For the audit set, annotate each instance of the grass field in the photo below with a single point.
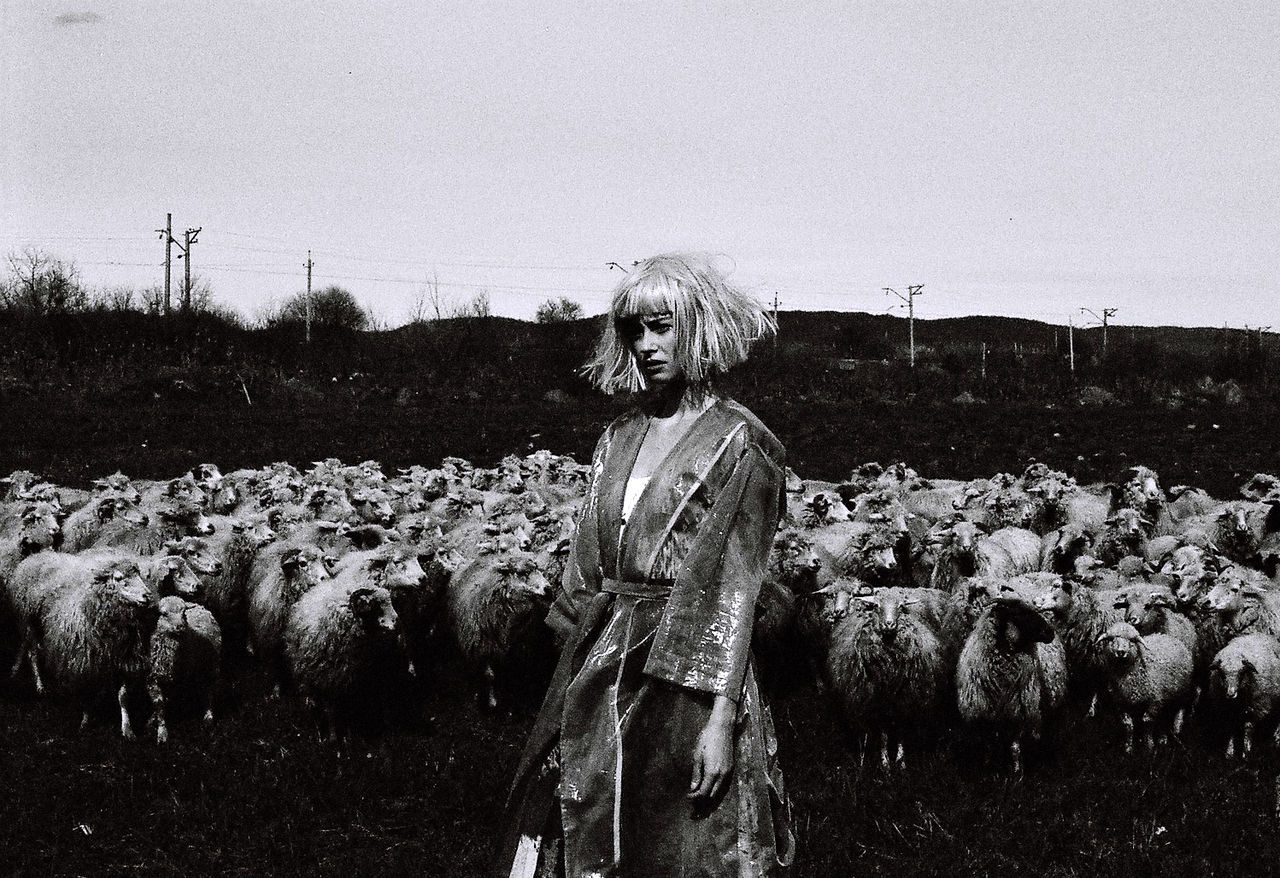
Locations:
(258, 794)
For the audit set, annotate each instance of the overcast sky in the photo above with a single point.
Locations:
(1027, 159)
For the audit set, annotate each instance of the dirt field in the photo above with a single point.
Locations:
(257, 794)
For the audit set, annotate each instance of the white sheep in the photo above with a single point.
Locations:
(963, 549)
(1149, 680)
(1246, 675)
(1245, 601)
(91, 614)
(340, 643)
(185, 656)
(494, 607)
(1012, 673)
(110, 513)
(297, 571)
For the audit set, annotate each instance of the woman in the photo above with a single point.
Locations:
(653, 753)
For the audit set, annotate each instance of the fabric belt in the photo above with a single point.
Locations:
(653, 589)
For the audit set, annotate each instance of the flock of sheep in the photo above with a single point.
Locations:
(920, 605)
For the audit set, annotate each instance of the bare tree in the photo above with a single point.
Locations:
(43, 284)
(559, 310)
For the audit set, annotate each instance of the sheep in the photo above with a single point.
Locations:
(90, 615)
(1150, 609)
(1149, 678)
(185, 655)
(340, 641)
(1060, 547)
(38, 528)
(110, 513)
(1011, 674)
(1079, 615)
(494, 607)
(888, 669)
(400, 570)
(965, 550)
(1246, 674)
(1261, 486)
(1245, 602)
(1125, 534)
(298, 570)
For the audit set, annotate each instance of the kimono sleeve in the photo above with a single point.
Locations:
(581, 578)
(704, 639)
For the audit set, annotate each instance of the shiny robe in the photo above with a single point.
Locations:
(658, 617)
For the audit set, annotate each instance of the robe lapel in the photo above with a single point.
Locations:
(618, 464)
(679, 474)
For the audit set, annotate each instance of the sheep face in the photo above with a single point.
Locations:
(186, 517)
(1231, 673)
(123, 579)
(1141, 605)
(118, 483)
(173, 575)
(1120, 643)
(307, 564)
(117, 507)
(40, 528)
(258, 532)
(372, 606)
(1068, 545)
(1233, 591)
(196, 553)
(329, 504)
(374, 507)
(795, 561)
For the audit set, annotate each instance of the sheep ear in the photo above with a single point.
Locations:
(291, 559)
(362, 600)
(1161, 599)
(1248, 664)
(1272, 521)
(106, 508)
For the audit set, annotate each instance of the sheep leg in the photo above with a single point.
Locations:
(35, 669)
(126, 727)
(156, 694)
(490, 691)
(1231, 743)
(1093, 706)
(1015, 750)
(1127, 720)
(1246, 740)
(22, 653)
(884, 750)
(902, 756)
(1148, 731)
(1179, 717)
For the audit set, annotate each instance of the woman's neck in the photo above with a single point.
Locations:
(678, 398)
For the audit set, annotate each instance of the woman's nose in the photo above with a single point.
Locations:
(647, 341)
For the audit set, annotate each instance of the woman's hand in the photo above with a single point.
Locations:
(713, 754)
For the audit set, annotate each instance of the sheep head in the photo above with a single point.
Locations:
(197, 554)
(173, 575)
(1019, 626)
(1121, 643)
(117, 507)
(373, 607)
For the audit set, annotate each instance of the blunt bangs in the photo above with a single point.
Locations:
(715, 323)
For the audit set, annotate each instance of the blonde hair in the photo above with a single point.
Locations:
(715, 322)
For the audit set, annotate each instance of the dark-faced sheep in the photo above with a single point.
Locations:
(1010, 678)
(185, 657)
(341, 643)
(888, 669)
(494, 607)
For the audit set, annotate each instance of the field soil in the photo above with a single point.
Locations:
(420, 794)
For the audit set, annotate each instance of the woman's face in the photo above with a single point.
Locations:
(652, 340)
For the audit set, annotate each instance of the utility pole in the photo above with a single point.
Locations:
(309, 264)
(166, 235)
(1071, 344)
(910, 299)
(190, 237)
(1106, 313)
(775, 321)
